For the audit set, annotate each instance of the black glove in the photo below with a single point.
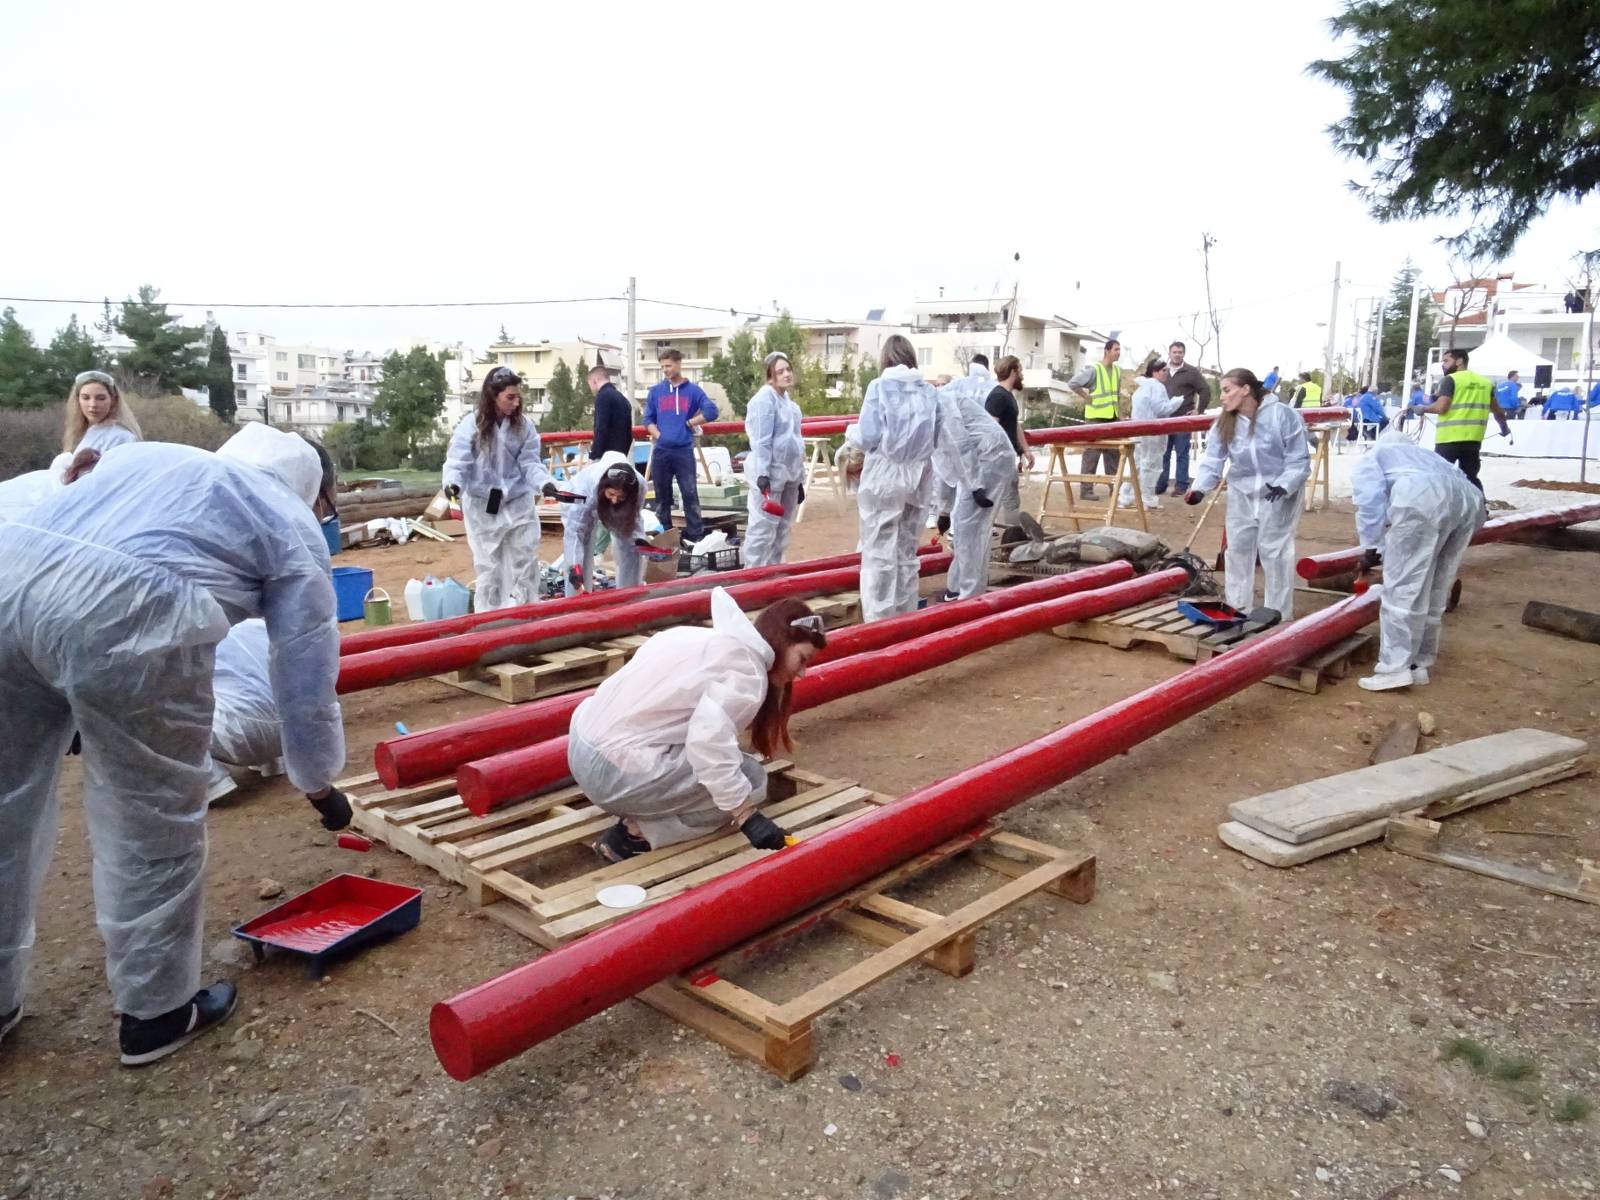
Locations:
(943, 524)
(551, 490)
(764, 483)
(1274, 492)
(334, 807)
(452, 491)
(762, 832)
(1370, 557)
(77, 744)
(1193, 497)
(981, 498)
(800, 497)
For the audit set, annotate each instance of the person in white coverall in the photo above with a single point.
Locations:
(246, 732)
(1417, 513)
(116, 592)
(777, 464)
(493, 467)
(613, 496)
(905, 427)
(1262, 442)
(991, 464)
(98, 418)
(1150, 403)
(658, 743)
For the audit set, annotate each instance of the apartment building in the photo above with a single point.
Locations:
(252, 373)
(536, 363)
(946, 333)
(1532, 316)
(699, 345)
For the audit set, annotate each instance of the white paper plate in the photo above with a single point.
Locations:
(621, 895)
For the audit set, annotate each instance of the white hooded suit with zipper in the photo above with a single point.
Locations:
(777, 450)
(658, 742)
(1269, 451)
(991, 463)
(117, 591)
(578, 519)
(906, 426)
(505, 544)
(1423, 513)
(1150, 403)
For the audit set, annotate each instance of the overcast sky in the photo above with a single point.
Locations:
(831, 157)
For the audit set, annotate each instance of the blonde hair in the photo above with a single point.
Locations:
(78, 424)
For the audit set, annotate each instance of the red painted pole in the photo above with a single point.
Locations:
(1342, 562)
(506, 778)
(1099, 431)
(431, 754)
(426, 631)
(503, 1017)
(420, 659)
(809, 427)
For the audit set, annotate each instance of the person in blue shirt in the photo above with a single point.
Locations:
(1270, 383)
(1418, 396)
(1562, 400)
(675, 408)
(1508, 395)
(1372, 413)
(1594, 395)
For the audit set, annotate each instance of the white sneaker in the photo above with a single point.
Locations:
(1385, 681)
(1419, 676)
(1152, 503)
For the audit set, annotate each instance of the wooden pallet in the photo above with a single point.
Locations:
(1309, 674)
(530, 865)
(551, 672)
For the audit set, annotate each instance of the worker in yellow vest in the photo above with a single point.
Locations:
(1463, 403)
(1099, 404)
(1308, 392)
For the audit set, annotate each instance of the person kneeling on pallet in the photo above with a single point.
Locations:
(1423, 513)
(116, 593)
(611, 493)
(658, 742)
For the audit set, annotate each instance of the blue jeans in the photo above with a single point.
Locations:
(669, 464)
(1177, 443)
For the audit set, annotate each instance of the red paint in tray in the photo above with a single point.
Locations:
(335, 918)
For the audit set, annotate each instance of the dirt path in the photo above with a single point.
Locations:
(1181, 1034)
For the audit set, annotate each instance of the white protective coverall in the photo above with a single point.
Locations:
(505, 545)
(905, 426)
(116, 592)
(659, 740)
(1271, 450)
(107, 435)
(578, 522)
(990, 462)
(245, 729)
(1150, 403)
(772, 423)
(1423, 513)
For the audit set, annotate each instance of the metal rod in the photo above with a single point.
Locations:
(1099, 431)
(499, 1019)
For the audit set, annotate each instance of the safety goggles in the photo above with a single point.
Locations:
(810, 621)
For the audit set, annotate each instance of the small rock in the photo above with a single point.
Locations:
(1362, 1098)
(850, 1083)
(1475, 1129)
(1450, 1173)
(229, 952)
(829, 1129)
(1419, 1019)
(264, 1114)
(489, 1149)
(1162, 981)
(1548, 867)
(246, 1051)
(1324, 1175)
(890, 1184)
(1426, 724)
(268, 888)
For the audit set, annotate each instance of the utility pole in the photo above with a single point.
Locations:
(1377, 341)
(1411, 346)
(1588, 355)
(1333, 322)
(632, 343)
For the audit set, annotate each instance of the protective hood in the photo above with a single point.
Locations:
(902, 373)
(728, 618)
(284, 456)
(977, 371)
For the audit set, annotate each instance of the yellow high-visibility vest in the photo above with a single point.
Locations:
(1469, 410)
(1102, 404)
(1313, 394)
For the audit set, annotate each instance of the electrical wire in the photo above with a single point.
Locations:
(386, 304)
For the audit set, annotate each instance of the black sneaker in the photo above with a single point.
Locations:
(145, 1041)
(10, 1021)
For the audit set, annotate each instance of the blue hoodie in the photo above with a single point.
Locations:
(669, 407)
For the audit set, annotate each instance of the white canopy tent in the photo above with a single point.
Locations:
(1499, 354)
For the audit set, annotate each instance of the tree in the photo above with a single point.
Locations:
(565, 411)
(70, 353)
(505, 338)
(1396, 320)
(1206, 243)
(165, 356)
(738, 370)
(411, 395)
(866, 371)
(22, 370)
(219, 378)
(582, 396)
(1457, 105)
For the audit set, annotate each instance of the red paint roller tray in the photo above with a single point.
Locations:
(334, 919)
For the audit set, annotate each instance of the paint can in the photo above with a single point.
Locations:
(376, 609)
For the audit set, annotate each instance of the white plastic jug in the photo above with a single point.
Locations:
(414, 599)
(454, 599)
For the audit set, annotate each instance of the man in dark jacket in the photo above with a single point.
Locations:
(613, 415)
(1183, 379)
(675, 408)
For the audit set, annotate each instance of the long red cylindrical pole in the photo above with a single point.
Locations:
(506, 778)
(1342, 562)
(503, 1017)
(1099, 431)
(433, 753)
(426, 631)
(420, 659)
(809, 427)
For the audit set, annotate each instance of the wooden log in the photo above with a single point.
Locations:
(1559, 619)
(1559, 538)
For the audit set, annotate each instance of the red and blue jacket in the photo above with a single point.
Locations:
(670, 406)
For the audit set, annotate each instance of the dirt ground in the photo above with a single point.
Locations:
(1206, 1027)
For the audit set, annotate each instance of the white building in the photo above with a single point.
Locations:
(698, 345)
(536, 363)
(252, 372)
(946, 333)
(1533, 317)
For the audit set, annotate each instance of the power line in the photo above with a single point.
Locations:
(214, 304)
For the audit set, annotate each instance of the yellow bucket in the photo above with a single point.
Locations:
(375, 607)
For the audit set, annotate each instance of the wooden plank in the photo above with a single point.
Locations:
(1419, 837)
(806, 1007)
(1275, 853)
(1399, 740)
(472, 825)
(1323, 806)
(955, 957)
